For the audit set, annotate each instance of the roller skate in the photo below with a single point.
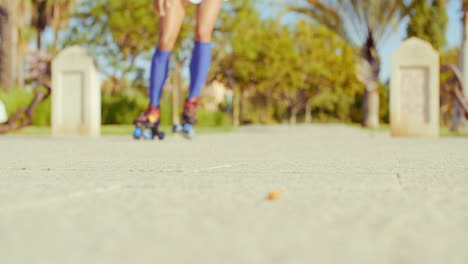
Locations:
(189, 119)
(147, 125)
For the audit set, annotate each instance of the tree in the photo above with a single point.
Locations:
(428, 21)
(447, 103)
(363, 24)
(282, 71)
(331, 84)
(121, 34)
(7, 43)
(240, 32)
(40, 18)
(459, 121)
(44, 14)
(50, 13)
(40, 70)
(60, 12)
(117, 32)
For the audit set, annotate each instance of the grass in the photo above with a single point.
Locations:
(128, 129)
(121, 130)
(444, 131)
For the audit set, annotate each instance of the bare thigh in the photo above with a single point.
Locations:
(170, 24)
(207, 13)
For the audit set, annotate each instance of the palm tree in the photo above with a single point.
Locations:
(7, 43)
(53, 13)
(459, 121)
(60, 11)
(39, 19)
(23, 36)
(363, 24)
(3, 27)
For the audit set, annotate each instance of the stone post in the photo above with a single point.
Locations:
(76, 94)
(414, 91)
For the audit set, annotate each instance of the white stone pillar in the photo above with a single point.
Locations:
(414, 92)
(76, 94)
(3, 113)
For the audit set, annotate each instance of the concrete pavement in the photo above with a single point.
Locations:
(347, 196)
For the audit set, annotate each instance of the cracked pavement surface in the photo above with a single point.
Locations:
(347, 196)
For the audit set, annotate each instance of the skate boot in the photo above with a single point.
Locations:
(189, 117)
(147, 125)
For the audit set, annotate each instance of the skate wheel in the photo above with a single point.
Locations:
(188, 131)
(148, 134)
(137, 133)
(176, 128)
(161, 135)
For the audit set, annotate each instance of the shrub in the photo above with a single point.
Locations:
(116, 109)
(119, 109)
(18, 98)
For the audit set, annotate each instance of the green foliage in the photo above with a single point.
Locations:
(325, 63)
(19, 98)
(119, 109)
(117, 32)
(207, 118)
(280, 67)
(355, 114)
(15, 99)
(283, 68)
(384, 97)
(363, 24)
(122, 110)
(116, 109)
(450, 56)
(428, 21)
(42, 116)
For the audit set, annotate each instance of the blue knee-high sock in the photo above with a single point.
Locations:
(159, 71)
(199, 67)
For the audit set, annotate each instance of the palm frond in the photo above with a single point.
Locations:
(354, 20)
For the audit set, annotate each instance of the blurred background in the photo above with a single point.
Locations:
(274, 62)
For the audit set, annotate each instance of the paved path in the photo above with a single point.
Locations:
(348, 196)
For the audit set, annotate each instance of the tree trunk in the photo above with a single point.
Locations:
(39, 40)
(370, 105)
(3, 37)
(14, 41)
(268, 107)
(459, 121)
(308, 112)
(120, 84)
(56, 27)
(7, 46)
(176, 88)
(236, 107)
(56, 41)
(368, 73)
(293, 117)
(20, 71)
(243, 105)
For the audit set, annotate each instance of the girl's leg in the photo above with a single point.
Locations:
(169, 28)
(207, 13)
